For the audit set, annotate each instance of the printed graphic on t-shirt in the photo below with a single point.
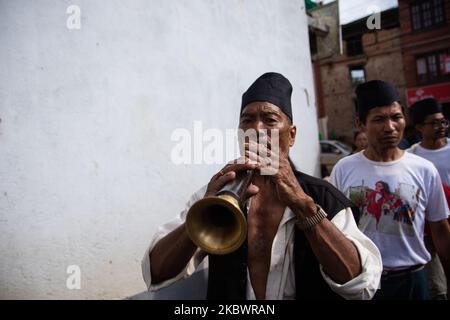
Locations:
(385, 209)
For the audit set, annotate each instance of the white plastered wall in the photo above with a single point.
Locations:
(87, 116)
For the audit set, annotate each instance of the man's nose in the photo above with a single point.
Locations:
(390, 125)
(260, 130)
(258, 125)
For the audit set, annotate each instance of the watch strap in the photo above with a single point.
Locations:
(310, 222)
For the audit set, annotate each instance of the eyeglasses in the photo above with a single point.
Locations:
(438, 123)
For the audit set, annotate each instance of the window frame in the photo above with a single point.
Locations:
(439, 76)
(416, 11)
(353, 40)
(356, 67)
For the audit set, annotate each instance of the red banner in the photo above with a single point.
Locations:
(440, 92)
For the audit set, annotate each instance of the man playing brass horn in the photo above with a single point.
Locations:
(302, 239)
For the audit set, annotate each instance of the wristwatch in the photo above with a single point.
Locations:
(310, 222)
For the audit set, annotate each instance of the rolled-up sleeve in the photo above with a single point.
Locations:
(193, 264)
(365, 285)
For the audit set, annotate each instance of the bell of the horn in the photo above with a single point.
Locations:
(217, 224)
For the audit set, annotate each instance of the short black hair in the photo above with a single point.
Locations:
(420, 110)
(374, 93)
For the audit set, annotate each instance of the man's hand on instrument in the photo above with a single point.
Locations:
(228, 174)
(288, 189)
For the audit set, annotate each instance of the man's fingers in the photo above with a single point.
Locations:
(261, 160)
(218, 183)
(260, 149)
(253, 157)
(228, 173)
(240, 165)
(251, 191)
(265, 141)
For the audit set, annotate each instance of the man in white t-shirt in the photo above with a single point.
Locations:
(427, 117)
(396, 192)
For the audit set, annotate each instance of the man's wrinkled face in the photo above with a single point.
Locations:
(433, 127)
(265, 116)
(384, 126)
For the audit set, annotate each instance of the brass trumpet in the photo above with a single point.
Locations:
(217, 224)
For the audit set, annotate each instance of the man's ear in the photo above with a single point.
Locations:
(419, 127)
(292, 134)
(360, 126)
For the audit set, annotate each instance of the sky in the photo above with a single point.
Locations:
(351, 10)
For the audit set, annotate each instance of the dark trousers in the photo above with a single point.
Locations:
(411, 286)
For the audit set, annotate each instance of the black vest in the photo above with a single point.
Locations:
(227, 277)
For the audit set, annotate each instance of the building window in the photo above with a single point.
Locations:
(415, 14)
(354, 46)
(442, 57)
(425, 14)
(357, 75)
(312, 43)
(438, 11)
(421, 70)
(431, 67)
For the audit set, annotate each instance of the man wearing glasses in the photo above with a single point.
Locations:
(429, 120)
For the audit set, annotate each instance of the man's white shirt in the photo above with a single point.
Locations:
(395, 199)
(439, 157)
(281, 277)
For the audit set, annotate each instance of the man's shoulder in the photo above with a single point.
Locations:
(418, 162)
(446, 148)
(419, 150)
(349, 161)
(310, 180)
(413, 148)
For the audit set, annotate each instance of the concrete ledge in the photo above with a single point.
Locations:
(192, 288)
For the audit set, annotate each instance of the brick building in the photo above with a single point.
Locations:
(366, 55)
(425, 42)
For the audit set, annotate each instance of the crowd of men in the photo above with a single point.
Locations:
(378, 230)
